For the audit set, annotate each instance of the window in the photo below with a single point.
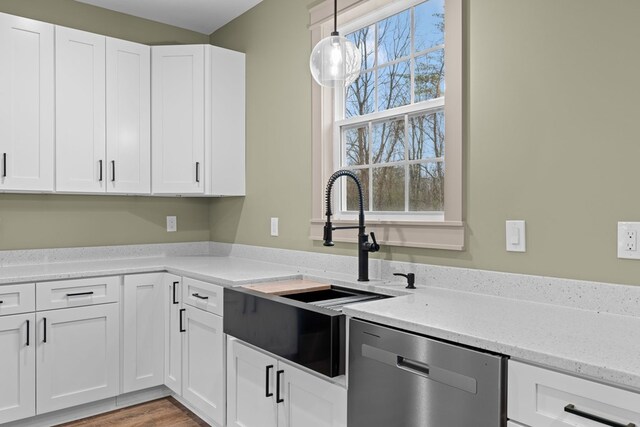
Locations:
(392, 126)
(390, 121)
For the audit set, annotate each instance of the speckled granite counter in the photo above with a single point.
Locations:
(603, 346)
(224, 271)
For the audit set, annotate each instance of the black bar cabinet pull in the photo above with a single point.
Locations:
(100, 166)
(79, 294)
(1, 302)
(4, 164)
(266, 381)
(278, 398)
(197, 171)
(571, 408)
(44, 335)
(182, 310)
(175, 284)
(197, 295)
(113, 170)
(28, 332)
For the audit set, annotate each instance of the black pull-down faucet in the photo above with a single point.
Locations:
(364, 246)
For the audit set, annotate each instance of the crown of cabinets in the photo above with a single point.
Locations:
(118, 117)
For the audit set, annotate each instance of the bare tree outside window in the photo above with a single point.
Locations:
(399, 158)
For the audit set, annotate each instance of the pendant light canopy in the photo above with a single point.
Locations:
(335, 61)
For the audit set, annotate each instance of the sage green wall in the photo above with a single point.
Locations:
(552, 117)
(44, 221)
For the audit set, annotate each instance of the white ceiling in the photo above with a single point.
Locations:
(203, 16)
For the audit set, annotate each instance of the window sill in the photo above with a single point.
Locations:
(447, 235)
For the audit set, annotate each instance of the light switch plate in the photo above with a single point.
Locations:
(516, 236)
(628, 240)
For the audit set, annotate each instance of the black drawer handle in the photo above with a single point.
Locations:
(4, 165)
(80, 294)
(44, 335)
(278, 398)
(175, 301)
(28, 332)
(571, 408)
(100, 166)
(182, 310)
(266, 381)
(197, 295)
(1, 302)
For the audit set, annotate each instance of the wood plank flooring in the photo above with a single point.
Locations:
(158, 413)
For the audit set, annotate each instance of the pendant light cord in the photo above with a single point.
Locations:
(335, 18)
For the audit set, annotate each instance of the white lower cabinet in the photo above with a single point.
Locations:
(203, 356)
(250, 387)
(541, 397)
(173, 333)
(263, 391)
(143, 340)
(17, 367)
(77, 356)
(194, 349)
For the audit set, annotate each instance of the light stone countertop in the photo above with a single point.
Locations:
(602, 346)
(225, 271)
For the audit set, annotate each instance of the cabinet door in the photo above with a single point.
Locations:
(80, 111)
(173, 333)
(143, 361)
(18, 367)
(203, 363)
(26, 105)
(310, 401)
(250, 387)
(226, 171)
(77, 356)
(178, 96)
(128, 117)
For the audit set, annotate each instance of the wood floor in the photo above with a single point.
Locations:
(158, 413)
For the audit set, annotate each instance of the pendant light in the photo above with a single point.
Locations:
(335, 61)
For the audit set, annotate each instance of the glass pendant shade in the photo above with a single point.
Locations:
(335, 61)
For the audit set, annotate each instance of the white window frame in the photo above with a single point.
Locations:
(400, 229)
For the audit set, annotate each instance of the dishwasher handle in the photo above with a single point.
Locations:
(413, 366)
(430, 372)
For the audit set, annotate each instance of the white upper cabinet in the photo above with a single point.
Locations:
(198, 121)
(128, 117)
(80, 111)
(178, 98)
(26, 105)
(226, 174)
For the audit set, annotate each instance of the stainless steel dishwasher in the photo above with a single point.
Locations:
(399, 379)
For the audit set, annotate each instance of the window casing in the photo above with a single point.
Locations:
(433, 220)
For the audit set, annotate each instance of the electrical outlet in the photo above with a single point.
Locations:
(172, 224)
(628, 240)
(274, 227)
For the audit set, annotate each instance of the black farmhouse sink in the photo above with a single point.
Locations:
(307, 328)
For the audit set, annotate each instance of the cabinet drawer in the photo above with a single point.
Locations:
(15, 299)
(538, 397)
(76, 293)
(202, 295)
